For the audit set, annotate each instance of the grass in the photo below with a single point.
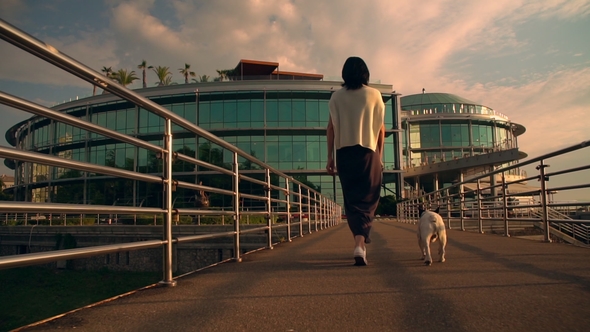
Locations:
(31, 294)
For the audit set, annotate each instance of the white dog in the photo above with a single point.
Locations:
(431, 228)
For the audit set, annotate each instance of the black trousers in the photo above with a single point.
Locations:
(361, 174)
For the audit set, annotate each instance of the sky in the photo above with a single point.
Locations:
(528, 59)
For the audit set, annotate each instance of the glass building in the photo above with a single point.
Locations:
(278, 117)
(440, 128)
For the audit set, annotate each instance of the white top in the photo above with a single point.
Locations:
(357, 116)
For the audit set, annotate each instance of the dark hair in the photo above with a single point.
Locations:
(355, 73)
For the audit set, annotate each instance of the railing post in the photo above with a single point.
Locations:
(167, 250)
(322, 212)
(288, 208)
(236, 185)
(268, 209)
(505, 205)
(448, 210)
(300, 211)
(309, 211)
(544, 210)
(315, 211)
(479, 219)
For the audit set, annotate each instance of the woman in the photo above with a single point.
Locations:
(357, 131)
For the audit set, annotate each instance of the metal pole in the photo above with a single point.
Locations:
(308, 211)
(300, 211)
(315, 210)
(288, 207)
(268, 208)
(236, 186)
(504, 203)
(167, 249)
(544, 209)
(448, 210)
(479, 220)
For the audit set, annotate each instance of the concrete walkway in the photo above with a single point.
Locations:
(488, 283)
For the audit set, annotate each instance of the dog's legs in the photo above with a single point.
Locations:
(441, 246)
(426, 244)
(421, 247)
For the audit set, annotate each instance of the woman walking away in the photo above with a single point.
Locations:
(356, 130)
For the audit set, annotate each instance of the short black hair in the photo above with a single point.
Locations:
(355, 73)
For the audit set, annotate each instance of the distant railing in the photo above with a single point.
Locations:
(281, 195)
(490, 203)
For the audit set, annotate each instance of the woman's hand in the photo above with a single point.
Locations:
(330, 167)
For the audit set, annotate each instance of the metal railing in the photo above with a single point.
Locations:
(492, 203)
(296, 196)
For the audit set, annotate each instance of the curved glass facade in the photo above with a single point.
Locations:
(278, 122)
(443, 127)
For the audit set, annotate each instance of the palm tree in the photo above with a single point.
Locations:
(163, 74)
(168, 81)
(108, 72)
(186, 72)
(222, 75)
(202, 79)
(225, 75)
(124, 78)
(143, 65)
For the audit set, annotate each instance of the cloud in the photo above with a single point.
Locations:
(438, 45)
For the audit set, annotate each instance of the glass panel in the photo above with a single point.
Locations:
(257, 113)
(244, 112)
(230, 114)
(217, 112)
(204, 113)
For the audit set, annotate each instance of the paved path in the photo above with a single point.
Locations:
(488, 283)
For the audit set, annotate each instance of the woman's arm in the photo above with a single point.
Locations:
(381, 142)
(330, 167)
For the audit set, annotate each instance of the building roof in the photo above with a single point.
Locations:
(254, 69)
(433, 98)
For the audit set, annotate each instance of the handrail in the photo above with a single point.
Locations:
(459, 203)
(326, 212)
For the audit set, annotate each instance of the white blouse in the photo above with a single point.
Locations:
(357, 116)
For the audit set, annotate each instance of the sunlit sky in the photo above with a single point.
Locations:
(528, 59)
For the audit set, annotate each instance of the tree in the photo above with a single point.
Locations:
(108, 72)
(168, 81)
(387, 206)
(202, 79)
(186, 72)
(143, 66)
(163, 74)
(4, 196)
(124, 78)
(225, 75)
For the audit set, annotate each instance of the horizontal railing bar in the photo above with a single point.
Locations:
(192, 238)
(188, 185)
(184, 211)
(568, 204)
(254, 213)
(579, 186)
(12, 261)
(45, 159)
(251, 179)
(197, 162)
(261, 198)
(30, 107)
(253, 230)
(567, 171)
(29, 207)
